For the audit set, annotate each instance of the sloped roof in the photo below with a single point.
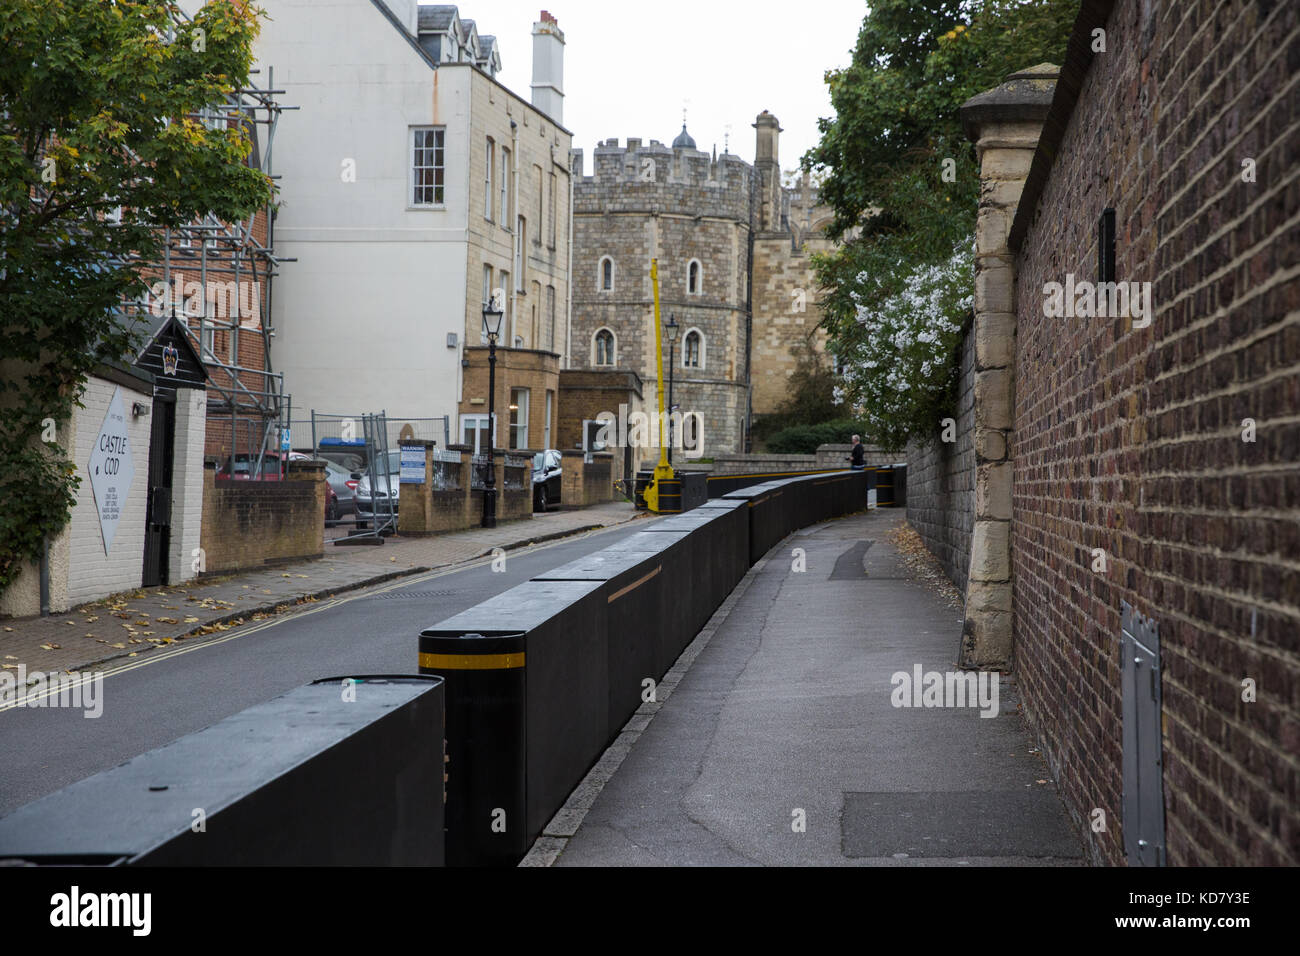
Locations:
(437, 19)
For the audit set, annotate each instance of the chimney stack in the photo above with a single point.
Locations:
(548, 67)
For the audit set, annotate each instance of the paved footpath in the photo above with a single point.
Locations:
(777, 743)
(132, 624)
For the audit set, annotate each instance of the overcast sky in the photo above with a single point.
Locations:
(630, 67)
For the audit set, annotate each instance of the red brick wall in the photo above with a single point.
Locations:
(1131, 440)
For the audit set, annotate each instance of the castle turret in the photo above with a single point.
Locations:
(767, 167)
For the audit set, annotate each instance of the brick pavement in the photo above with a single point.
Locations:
(135, 622)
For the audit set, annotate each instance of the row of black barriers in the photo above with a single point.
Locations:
(541, 678)
(517, 698)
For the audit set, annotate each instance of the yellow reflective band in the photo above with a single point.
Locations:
(471, 662)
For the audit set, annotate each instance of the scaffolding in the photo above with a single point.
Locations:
(229, 318)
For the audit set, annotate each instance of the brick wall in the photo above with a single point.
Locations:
(1130, 440)
(941, 481)
(249, 524)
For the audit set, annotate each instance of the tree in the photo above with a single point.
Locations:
(101, 148)
(903, 183)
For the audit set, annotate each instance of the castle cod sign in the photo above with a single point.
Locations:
(111, 469)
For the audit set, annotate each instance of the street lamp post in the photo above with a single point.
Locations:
(672, 329)
(492, 315)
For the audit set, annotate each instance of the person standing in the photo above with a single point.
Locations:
(858, 456)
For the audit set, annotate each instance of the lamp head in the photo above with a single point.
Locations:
(672, 328)
(492, 315)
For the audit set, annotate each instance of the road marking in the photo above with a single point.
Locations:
(243, 630)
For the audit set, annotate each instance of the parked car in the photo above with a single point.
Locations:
(387, 478)
(546, 479)
(343, 488)
(240, 467)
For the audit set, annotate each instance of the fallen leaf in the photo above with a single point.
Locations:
(69, 623)
(132, 654)
(118, 645)
(191, 620)
(166, 620)
(12, 667)
(92, 619)
(10, 657)
(51, 647)
(8, 628)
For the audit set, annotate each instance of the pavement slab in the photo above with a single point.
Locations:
(782, 744)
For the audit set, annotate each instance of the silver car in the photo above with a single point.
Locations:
(388, 478)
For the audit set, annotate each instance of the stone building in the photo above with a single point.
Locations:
(732, 246)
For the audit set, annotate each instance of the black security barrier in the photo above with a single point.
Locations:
(632, 584)
(900, 484)
(695, 488)
(885, 485)
(715, 553)
(344, 771)
(764, 521)
(542, 677)
(527, 711)
(679, 581)
(722, 485)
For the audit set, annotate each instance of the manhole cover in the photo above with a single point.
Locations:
(417, 595)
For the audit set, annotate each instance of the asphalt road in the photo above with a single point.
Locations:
(152, 701)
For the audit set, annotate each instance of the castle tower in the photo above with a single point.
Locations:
(767, 166)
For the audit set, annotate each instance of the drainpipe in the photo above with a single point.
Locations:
(568, 283)
(516, 268)
(45, 577)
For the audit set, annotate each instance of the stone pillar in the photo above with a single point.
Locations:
(1005, 123)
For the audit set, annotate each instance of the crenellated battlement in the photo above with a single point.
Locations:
(663, 179)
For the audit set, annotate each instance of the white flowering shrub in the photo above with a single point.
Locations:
(901, 364)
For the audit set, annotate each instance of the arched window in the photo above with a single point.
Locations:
(694, 277)
(606, 276)
(603, 344)
(693, 350)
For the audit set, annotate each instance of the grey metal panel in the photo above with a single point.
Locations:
(1143, 761)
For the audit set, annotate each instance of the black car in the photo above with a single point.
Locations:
(546, 479)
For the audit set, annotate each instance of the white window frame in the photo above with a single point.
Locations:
(522, 418)
(489, 196)
(478, 419)
(703, 348)
(613, 348)
(546, 425)
(411, 168)
(504, 217)
(699, 285)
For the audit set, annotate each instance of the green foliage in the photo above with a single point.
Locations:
(97, 111)
(811, 397)
(883, 158)
(805, 439)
